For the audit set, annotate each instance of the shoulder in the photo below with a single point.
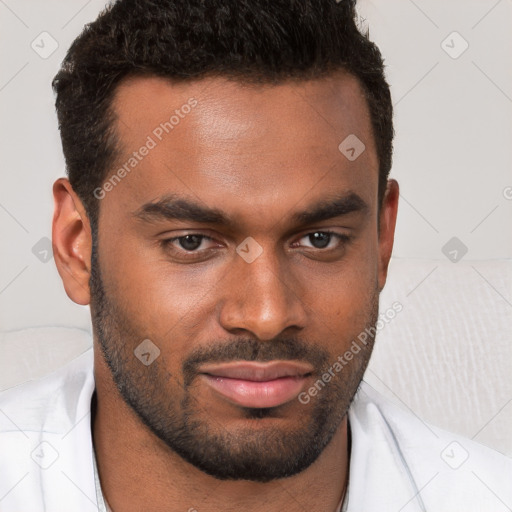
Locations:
(447, 470)
(45, 440)
(52, 402)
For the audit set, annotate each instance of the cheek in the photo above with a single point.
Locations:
(349, 303)
(344, 301)
(158, 298)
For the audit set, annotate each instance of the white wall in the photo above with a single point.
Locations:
(453, 121)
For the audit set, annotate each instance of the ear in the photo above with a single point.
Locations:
(71, 241)
(387, 224)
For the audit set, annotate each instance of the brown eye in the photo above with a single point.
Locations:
(190, 242)
(323, 240)
(320, 239)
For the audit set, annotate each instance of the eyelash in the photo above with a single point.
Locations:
(168, 242)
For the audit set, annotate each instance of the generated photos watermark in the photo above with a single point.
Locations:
(157, 135)
(344, 359)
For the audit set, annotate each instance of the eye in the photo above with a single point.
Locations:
(195, 245)
(322, 239)
(187, 243)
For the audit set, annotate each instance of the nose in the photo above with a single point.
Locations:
(262, 297)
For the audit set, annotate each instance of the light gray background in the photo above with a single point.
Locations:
(447, 356)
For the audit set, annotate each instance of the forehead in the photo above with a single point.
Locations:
(237, 146)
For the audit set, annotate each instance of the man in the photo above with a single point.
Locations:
(229, 219)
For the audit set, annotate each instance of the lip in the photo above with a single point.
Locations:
(255, 384)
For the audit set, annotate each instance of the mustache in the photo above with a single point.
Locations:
(253, 350)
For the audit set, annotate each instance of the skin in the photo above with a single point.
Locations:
(258, 154)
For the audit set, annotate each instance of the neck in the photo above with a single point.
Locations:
(138, 471)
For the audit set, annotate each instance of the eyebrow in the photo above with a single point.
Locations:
(173, 207)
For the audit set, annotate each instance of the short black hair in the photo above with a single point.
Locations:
(262, 41)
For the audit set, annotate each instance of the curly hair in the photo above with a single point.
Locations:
(256, 41)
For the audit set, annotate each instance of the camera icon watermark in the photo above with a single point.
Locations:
(352, 147)
(44, 455)
(42, 250)
(146, 352)
(455, 455)
(507, 193)
(249, 249)
(454, 45)
(44, 45)
(454, 249)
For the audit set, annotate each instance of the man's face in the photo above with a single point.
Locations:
(245, 313)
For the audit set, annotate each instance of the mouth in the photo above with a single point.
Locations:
(258, 385)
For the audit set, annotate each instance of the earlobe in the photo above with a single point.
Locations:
(71, 241)
(387, 225)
